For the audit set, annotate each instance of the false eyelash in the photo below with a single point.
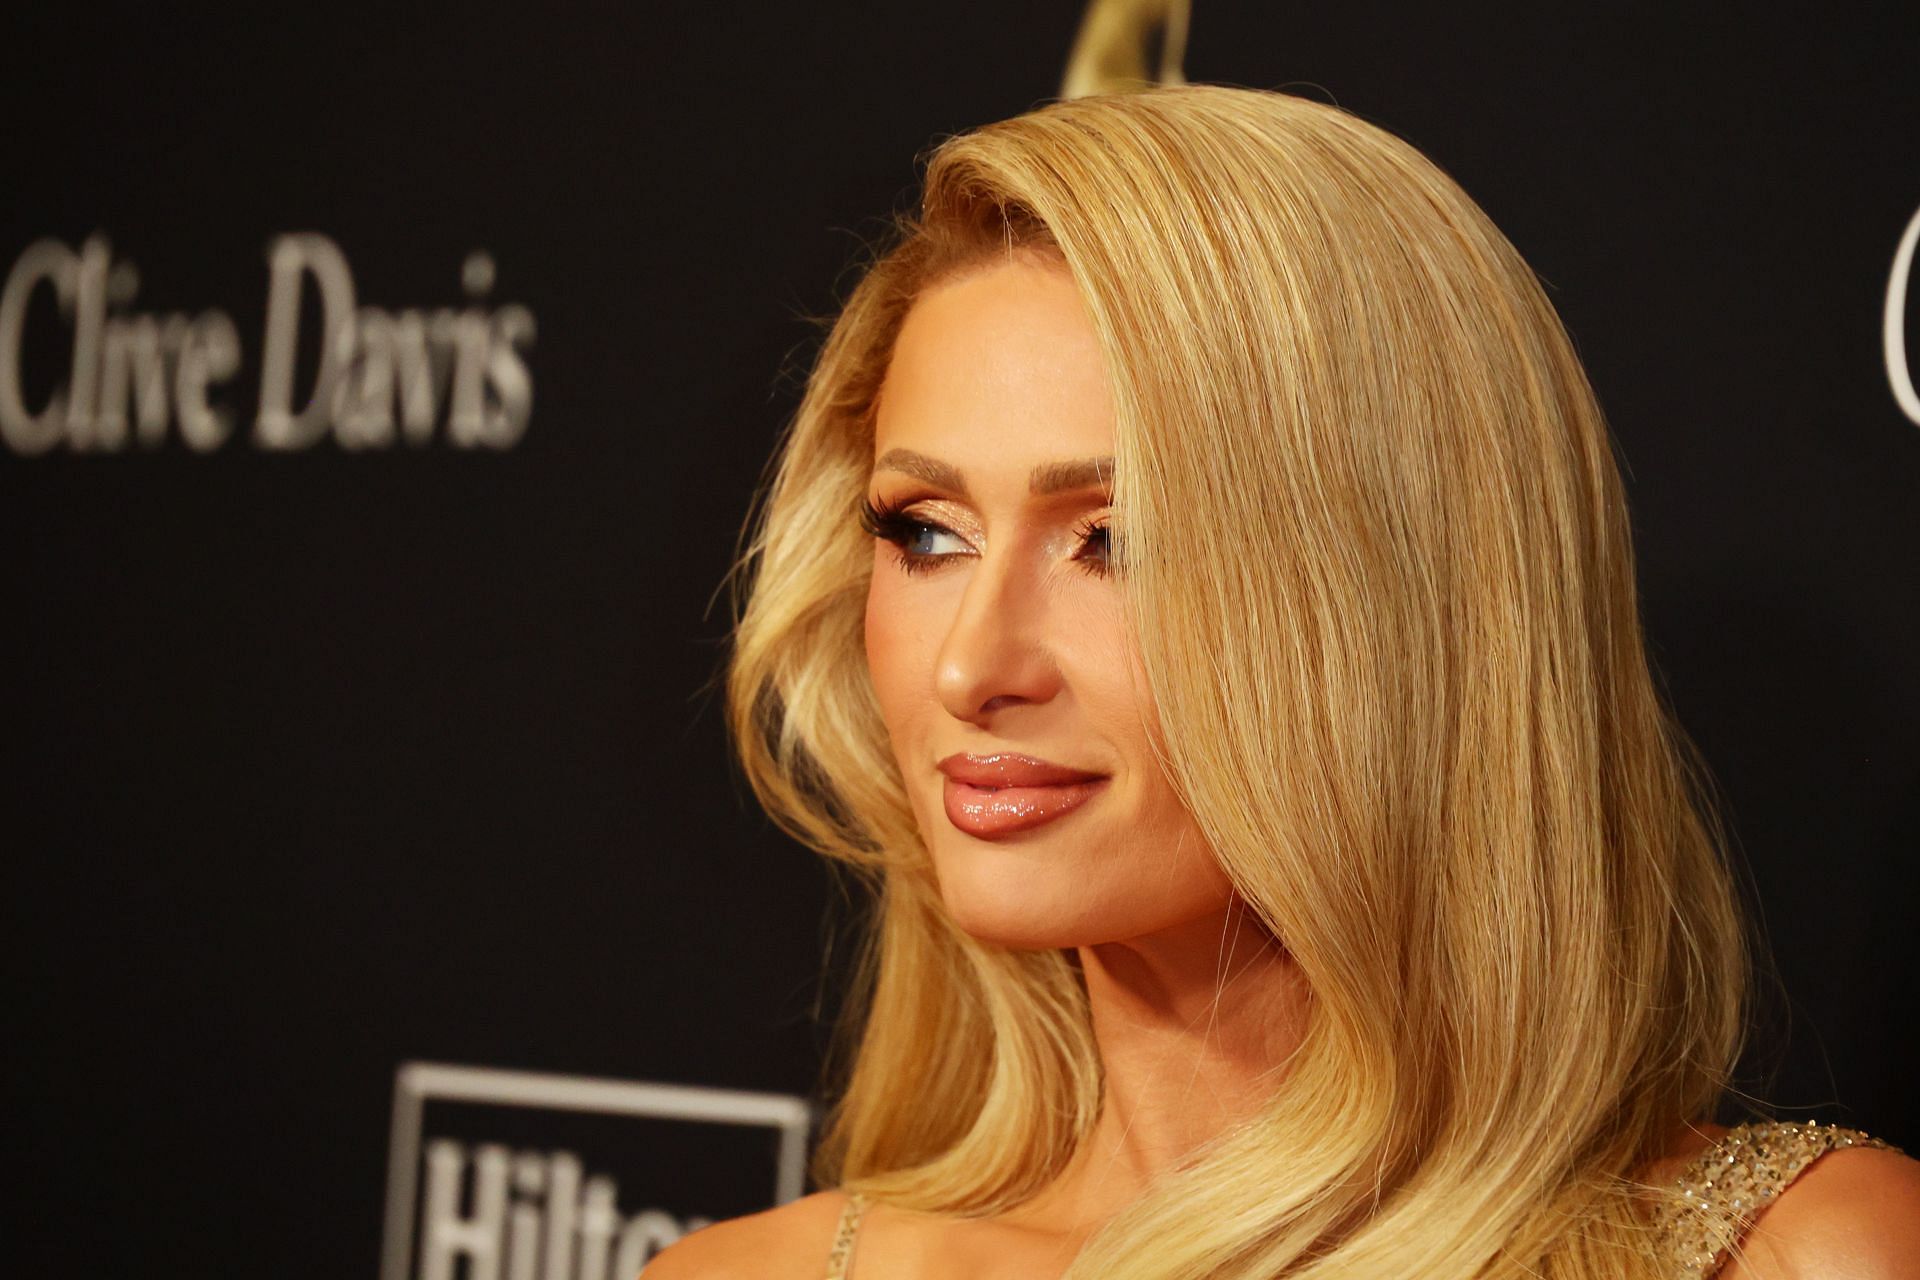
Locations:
(890, 523)
(1085, 530)
(884, 520)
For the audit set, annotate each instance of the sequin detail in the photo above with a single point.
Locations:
(843, 1238)
(1725, 1187)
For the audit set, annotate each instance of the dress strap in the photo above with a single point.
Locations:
(840, 1261)
(1725, 1187)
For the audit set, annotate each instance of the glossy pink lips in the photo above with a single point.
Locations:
(999, 794)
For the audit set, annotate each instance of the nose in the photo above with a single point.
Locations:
(996, 652)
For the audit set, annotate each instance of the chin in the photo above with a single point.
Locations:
(1001, 898)
(1016, 912)
(1016, 927)
(1006, 902)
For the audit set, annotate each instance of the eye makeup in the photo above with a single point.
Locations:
(909, 535)
(890, 523)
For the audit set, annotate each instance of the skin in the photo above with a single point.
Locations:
(1014, 642)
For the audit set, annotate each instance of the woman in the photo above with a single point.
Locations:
(1196, 596)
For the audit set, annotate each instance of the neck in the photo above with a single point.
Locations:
(1194, 1025)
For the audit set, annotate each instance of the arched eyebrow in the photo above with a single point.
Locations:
(1063, 477)
(1047, 478)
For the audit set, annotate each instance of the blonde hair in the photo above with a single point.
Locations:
(1379, 563)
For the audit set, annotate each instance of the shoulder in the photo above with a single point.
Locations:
(787, 1242)
(1853, 1214)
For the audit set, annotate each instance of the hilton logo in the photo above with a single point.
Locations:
(514, 1199)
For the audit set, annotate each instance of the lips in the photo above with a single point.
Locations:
(1003, 793)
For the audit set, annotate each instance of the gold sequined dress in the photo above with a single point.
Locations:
(1725, 1187)
(1721, 1190)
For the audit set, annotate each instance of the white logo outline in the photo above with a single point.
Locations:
(415, 1083)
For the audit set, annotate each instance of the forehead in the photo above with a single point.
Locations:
(997, 370)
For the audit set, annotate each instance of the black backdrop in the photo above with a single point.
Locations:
(325, 760)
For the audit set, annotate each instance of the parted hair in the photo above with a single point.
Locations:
(1379, 566)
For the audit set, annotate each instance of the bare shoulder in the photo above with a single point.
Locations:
(1854, 1214)
(787, 1242)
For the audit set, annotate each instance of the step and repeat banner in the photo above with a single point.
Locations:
(382, 392)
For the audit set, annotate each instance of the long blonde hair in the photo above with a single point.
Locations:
(1379, 564)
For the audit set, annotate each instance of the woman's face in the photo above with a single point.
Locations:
(994, 631)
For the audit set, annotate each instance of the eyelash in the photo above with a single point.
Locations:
(890, 523)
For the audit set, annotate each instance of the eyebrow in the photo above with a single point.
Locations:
(1047, 478)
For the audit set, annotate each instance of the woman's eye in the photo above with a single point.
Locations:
(1096, 549)
(918, 545)
(922, 539)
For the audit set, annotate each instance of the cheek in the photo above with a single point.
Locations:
(1097, 662)
(1161, 854)
(881, 644)
(893, 648)
(901, 651)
